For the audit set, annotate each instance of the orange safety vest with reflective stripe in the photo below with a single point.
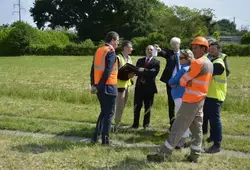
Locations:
(99, 66)
(196, 80)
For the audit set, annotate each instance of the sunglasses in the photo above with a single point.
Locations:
(181, 58)
(185, 53)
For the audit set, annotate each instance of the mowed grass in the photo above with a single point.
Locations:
(35, 153)
(51, 95)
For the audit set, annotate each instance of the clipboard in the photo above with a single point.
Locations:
(125, 70)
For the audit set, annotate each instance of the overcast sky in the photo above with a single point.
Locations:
(222, 8)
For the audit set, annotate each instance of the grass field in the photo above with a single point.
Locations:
(50, 95)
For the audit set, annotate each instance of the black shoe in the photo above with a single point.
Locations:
(178, 147)
(134, 127)
(106, 144)
(213, 149)
(209, 140)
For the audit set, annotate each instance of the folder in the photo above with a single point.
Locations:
(125, 70)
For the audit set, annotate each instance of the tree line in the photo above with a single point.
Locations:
(92, 19)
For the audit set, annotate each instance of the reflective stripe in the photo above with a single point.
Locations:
(195, 92)
(200, 82)
(99, 67)
(168, 145)
(186, 76)
(183, 81)
(197, 148)
(102, 64)
(220, 80)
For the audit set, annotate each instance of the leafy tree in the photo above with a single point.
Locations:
(226, 27)
(94, 18)
(245, 39)
(216, 35)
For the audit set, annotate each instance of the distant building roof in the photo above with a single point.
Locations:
(228, 39)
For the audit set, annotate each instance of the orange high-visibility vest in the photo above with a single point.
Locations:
(99, 66)
(196, 80)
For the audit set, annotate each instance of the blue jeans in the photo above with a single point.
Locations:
(212, 109)
(103, 124)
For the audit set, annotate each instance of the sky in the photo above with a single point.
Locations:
(222, 9)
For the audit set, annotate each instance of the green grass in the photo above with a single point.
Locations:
(154, 136)
(32, 153)
(51, 95)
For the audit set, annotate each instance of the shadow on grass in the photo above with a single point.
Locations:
(86, 132)
(127, 163)
(141, 135)
(55, 146)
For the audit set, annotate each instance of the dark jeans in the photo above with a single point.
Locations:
(103, 124)
(212, 109)
(142, 97)
(205, 121)
(171, 105)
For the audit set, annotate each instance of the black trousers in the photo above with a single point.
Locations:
(212, 110)
(171, 105)
(142, 97)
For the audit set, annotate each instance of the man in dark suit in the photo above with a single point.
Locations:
(172, 66)
(145, 87)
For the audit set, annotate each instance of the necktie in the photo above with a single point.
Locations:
(146, 63)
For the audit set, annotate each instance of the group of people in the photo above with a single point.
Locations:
(196, 83)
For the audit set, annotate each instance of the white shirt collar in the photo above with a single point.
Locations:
(149, 58)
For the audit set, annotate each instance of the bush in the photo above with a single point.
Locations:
(139, 45)
(236, 49)
(3, 41)
(18, 39)
(245, 39)
(69, 49)
(72, 37)
(79, 49)
(37, 50)
(88, 43)
(49, 37)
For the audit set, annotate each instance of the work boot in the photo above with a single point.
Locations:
(194, 156)
(213, 149)
(162, 154)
